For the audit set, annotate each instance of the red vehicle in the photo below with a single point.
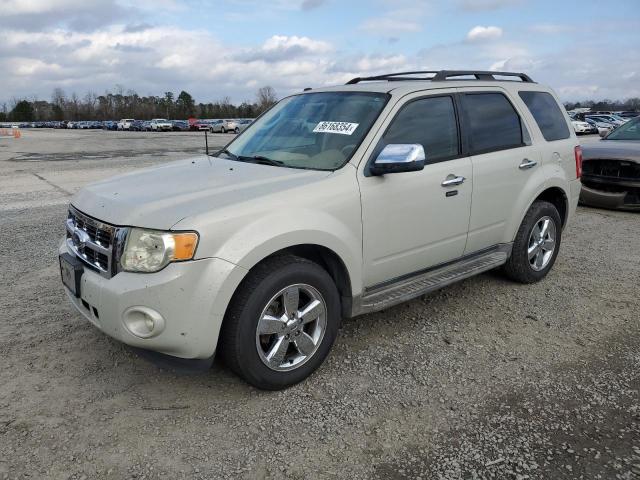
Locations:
(195, 124)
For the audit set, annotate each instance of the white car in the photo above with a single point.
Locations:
(125, 124)
(161, 125)
(581, 127)
(336, 202)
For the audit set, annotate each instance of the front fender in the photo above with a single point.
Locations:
(269, 234)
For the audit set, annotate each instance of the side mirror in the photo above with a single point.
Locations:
(399, 157)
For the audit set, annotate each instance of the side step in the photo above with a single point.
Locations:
(379, 298)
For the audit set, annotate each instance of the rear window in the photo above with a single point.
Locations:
(493, 122)
(547, 113)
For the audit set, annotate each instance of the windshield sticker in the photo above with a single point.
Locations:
(343, 128)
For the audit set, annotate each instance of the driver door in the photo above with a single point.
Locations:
(411, 221)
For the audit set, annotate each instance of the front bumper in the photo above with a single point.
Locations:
(614, 200)
(191, 298)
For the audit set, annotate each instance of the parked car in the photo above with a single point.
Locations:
(243, 124)
(125, 124)
(336, 202)
(582, 128)
(224, 126)
(601, 127)
(110, 125)
(161, 125)
(612, 119)
(180, 125)
(611, 169)
(200, 125)
(629, 114)
(137, 126)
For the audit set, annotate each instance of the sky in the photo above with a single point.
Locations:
(586, 49)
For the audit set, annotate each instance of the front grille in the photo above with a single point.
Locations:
(614, 169)
(92, 241)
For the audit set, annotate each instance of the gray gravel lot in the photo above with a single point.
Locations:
(484, 379)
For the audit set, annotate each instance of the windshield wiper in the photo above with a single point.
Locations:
(261, 160)
(233, 156)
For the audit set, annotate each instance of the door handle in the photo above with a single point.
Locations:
(527, 164)
(452, 181)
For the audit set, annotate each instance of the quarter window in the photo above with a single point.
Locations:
(430, 122)
(493, 122)
(547, 113)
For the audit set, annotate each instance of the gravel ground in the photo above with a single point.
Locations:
(484, 379)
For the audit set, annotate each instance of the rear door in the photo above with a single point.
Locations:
(504, 162)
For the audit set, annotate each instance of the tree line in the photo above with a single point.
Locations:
(631, 104)
(117, 104)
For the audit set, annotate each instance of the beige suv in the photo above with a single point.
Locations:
(334, 203)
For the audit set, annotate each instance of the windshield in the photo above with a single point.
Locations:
(318, 131)
(628, 131)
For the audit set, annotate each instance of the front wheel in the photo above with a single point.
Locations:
(281, 323)
(536, 245)
(222, 130)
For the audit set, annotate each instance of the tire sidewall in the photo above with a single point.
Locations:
(252, 366)
(539, 210)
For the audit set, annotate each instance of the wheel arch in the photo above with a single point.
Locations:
(323, 256)
(558, 198)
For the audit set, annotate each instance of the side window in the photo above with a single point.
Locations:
(492, 121)
(547, 114)
(431, 122)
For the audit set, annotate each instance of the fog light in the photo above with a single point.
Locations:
(143, 322)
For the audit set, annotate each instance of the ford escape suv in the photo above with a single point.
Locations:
(335, 202)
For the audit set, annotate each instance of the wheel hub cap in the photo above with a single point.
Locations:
(542, 243)
(291, 327)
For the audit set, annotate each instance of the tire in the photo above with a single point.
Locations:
(246, 352)
(237, 131)
(520, 266)
(222, 130)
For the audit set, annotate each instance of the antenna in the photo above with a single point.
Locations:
(206, 142)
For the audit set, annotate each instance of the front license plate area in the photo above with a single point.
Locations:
(71, 271)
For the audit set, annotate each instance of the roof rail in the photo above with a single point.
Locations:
(443, 75)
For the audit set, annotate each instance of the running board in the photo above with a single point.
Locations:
(404, 289)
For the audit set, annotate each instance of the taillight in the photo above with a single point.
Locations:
(578, 154)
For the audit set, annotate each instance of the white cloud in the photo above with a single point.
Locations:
(281, 47)
(480, 33)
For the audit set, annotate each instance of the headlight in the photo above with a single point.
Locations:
(152, 250)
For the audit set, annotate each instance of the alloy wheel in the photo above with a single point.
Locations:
(291, 327)
(542, 243)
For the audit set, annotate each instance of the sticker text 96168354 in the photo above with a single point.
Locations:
(343, 128)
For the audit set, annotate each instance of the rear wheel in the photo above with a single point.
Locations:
(281, 323)
(222, 130)
(536, 245)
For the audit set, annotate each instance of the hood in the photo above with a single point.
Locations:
(160, 197)
(612, 150)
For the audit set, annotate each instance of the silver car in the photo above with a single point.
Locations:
(224, 126)
(243, 124)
